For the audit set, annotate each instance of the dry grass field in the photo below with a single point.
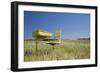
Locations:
(67, 50)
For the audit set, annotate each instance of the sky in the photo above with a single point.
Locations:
(72, 25)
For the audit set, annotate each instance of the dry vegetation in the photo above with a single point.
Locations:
(67, 50)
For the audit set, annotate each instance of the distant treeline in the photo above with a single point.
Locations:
(83, 39)
(62, 39)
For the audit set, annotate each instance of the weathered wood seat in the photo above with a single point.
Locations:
(52, 41)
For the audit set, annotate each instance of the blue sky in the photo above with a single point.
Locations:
(72, 25)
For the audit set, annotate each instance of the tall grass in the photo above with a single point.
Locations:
(67, 50)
